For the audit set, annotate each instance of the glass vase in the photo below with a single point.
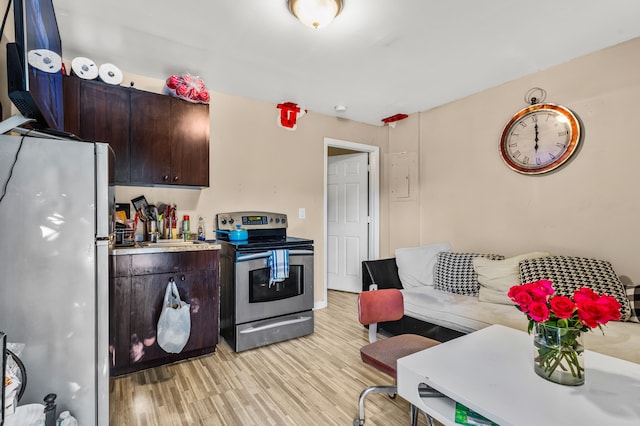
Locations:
(558, 354)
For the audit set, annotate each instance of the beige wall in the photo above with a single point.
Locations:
(470, 198)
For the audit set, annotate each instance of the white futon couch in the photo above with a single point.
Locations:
(450, 294)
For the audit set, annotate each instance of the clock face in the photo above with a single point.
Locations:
(540, 138)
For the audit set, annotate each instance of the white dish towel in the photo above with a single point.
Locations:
(278, 266)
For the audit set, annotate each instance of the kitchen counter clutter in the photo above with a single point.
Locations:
(164, 246)
(139, 277)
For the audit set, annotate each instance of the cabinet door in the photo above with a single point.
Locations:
(147, 295)
(189, 143)
(96, 111)
(119, 337)
(197, 289)
(104, 117)
(150, 133)
(71, 99)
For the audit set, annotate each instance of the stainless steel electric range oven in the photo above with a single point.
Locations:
(258, 305)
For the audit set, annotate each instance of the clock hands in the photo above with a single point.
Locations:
(536, 146)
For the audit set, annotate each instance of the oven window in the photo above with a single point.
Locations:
(261, 291)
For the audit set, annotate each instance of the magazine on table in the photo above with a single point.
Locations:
(466, 416)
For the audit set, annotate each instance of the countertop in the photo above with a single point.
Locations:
(164, 247)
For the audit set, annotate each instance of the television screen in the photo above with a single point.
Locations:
(37, 54)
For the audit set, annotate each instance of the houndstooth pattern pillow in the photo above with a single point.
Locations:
(454, 272)
(568, 274)
(633, 294)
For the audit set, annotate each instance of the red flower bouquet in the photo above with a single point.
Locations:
(585, 311)
(558, 322)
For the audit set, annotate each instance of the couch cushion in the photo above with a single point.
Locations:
(489, 295)
(568, 274)
(454, 272)
(633, 294)
(415, 264)
(496, 277)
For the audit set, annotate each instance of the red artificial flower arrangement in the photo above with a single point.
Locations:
(558, 322)
(187, 87)
(584, 311)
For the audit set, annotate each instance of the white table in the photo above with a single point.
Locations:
(491, 372)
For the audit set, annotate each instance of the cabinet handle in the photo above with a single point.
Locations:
(165, 178)
(182, 278)
(175, 178)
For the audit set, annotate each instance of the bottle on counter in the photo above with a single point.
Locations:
(185, 228)
(201, 232)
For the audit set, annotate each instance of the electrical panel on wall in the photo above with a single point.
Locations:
(403, 175)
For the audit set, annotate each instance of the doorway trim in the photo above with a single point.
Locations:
(374, 201)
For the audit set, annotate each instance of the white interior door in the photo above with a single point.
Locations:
(347, 220)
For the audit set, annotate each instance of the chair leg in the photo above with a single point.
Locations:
(414, 415)
(428, 418)
(390, 390)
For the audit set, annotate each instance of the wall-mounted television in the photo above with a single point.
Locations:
(34, 64)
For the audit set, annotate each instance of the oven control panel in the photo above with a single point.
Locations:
(251, 220)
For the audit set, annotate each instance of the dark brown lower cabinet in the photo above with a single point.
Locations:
(138, 283)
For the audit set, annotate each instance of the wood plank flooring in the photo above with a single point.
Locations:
(313, 380)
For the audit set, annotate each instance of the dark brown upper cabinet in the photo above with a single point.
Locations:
(156, 139)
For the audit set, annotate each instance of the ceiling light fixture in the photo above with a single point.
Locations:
(315, 13)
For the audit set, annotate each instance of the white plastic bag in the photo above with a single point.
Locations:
(174, 324)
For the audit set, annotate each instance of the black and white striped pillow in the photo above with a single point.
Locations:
(568, 274)
(633, 294)
(454, 272)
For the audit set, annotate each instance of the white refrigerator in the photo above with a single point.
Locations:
(55, 215)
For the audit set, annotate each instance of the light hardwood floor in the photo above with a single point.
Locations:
(313, 380)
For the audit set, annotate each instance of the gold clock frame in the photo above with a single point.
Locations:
(574, 142)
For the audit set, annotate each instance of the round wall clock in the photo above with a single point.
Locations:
(540, 138)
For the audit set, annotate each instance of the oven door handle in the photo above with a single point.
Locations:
(266, 254)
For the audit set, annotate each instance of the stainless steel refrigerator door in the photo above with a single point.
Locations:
(105, 195)
(102, 311)
(105, 208)
(48, 255)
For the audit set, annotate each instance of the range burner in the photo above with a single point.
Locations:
(290, 243)
(266, 231)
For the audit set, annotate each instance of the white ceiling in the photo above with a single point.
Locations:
(379, 57)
